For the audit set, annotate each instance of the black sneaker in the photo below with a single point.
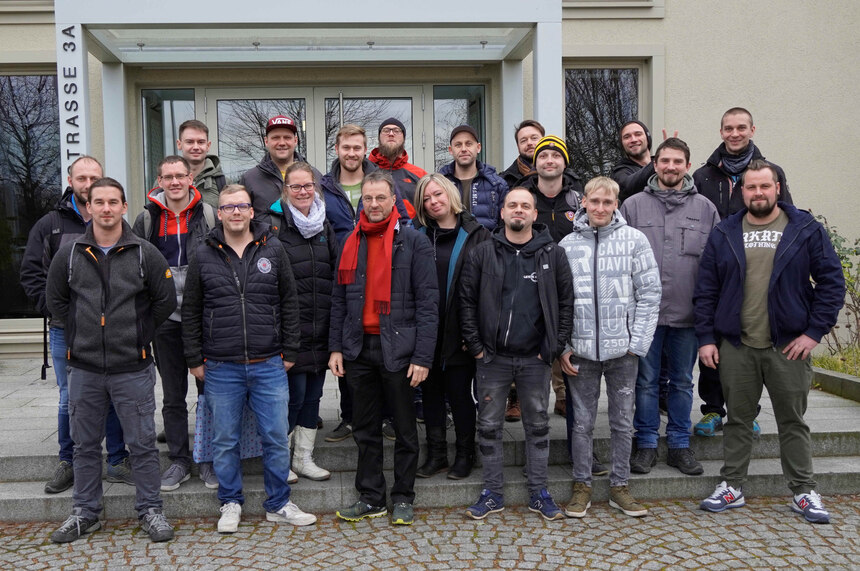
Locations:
(388, 429)
(597, 467)
(342, 432)
(360, 510)
(642, 460)
(155, 524)
(684, 460)
(120, 473)
(74, 527)
(63, 479)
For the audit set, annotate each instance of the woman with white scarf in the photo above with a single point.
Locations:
(298, 220)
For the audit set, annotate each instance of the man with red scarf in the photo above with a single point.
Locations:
(385, 288)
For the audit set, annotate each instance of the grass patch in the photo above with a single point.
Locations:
(846, 361)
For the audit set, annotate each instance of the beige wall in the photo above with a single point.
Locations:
(794, 64)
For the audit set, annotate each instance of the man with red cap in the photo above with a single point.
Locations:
(266, 180)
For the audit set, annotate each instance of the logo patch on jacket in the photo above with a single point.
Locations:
(168, 274)
(264, 265)
(570, 215)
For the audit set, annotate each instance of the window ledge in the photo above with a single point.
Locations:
(632, 9)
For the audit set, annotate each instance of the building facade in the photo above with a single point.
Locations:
(115, 79)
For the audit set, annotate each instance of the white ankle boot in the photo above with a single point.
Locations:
(292, 478)
(303, 460)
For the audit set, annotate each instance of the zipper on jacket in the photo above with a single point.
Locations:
(596, 303)
(513, 300)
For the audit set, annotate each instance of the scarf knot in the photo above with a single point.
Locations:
(378, 273)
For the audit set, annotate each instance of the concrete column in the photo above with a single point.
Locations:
(113, 103)
(549, 78)
(73, 93)
(512, 107)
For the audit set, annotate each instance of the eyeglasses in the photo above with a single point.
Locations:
(378, 199)
(392, 131)
(231, 208)
(170, 177)
(308, 187)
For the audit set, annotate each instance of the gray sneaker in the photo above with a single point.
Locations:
(155, 524)
(120, 473)
(388, 430)
(64, 478)
(174, 476)
(207, 474)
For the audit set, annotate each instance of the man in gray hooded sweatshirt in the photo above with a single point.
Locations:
(676, 219)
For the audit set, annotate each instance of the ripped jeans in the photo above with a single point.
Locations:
(584, 390)
(532, 379)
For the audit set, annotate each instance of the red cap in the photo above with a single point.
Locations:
(281, 121)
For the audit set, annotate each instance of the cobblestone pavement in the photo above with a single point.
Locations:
(765, 534)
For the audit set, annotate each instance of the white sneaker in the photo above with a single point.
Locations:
(291, 513)
(231, 514)
(292, 478)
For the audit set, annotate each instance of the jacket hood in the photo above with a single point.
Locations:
(540, 238)
(795, 216)
(67, 203)
(211, 167)
(156, 196)
(126, 238)
(334, 172)
(687, 188)
(268, 165)
(569, 178)
(259, 231)
(580, 223)
(382, 161)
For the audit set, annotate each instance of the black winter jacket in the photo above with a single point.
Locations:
(716, 185)
(110, 303)
(408, 332)
(469, 234)
(481, 294)
(631, 177)
(312, 261)
(512, 175)
(265, 183)
(49, 233)
(227, 318)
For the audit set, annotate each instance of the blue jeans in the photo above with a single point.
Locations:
(265, 388)
(306, 390)
(532, 379)
(681, 354)
(113, 431)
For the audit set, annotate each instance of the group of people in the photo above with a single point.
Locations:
(480, 290)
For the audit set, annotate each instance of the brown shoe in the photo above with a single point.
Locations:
(513, 414)
(561, 407)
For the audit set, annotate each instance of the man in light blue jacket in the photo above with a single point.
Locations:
(617, 290)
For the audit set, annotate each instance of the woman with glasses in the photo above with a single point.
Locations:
(453, 232)
(298, 220)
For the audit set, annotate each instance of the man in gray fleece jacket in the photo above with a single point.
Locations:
(676, 219)
(111, 290)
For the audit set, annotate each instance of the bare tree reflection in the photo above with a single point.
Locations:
(598, 102)
(242, 130)
(30, 180)
(368, 113)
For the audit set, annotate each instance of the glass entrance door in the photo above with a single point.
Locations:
(237, 121)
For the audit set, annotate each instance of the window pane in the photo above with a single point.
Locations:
(598, 102)
(30, 179)
(455, 105)
(164, 110)
(242, 130)
(367, 112)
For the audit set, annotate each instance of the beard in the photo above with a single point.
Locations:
(762, 209)
(516, 225)
(390, 150)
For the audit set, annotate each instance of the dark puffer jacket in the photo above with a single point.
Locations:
(56, 228)
(110, 303)
(631, 177)
(481, 293)
(312, 260)
(716, 185)
(408, 333)
(266, 184)
(469, 234)
(486, 195)
(228, 317)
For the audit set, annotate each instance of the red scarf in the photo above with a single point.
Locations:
(379, 275)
